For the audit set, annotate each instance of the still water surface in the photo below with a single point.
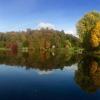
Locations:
(42, 76)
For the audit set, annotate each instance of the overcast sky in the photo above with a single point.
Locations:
(58, 14)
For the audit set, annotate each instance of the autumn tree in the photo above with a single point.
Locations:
(84, 27)
(95, 36)
(38, 39)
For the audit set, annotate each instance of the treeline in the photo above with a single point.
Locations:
(88, 30)
(38, 39)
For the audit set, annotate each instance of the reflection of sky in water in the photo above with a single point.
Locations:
(17, 83)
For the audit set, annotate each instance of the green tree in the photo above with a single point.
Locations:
(84, 27)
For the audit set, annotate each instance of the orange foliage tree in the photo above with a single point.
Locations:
(95, 36)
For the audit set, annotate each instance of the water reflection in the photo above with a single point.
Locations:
(41, 60)
(88, 74)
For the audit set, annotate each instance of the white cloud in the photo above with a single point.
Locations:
(44, 72)
(71, 31)
(52, 26)
(45, 25)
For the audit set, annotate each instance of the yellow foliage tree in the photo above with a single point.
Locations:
(95, 35)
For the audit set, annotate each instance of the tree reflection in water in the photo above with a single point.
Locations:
(88, 74)
(42, 60)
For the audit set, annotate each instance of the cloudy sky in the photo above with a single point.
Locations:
(58, 14)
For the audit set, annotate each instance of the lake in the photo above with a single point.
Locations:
(49, 76)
